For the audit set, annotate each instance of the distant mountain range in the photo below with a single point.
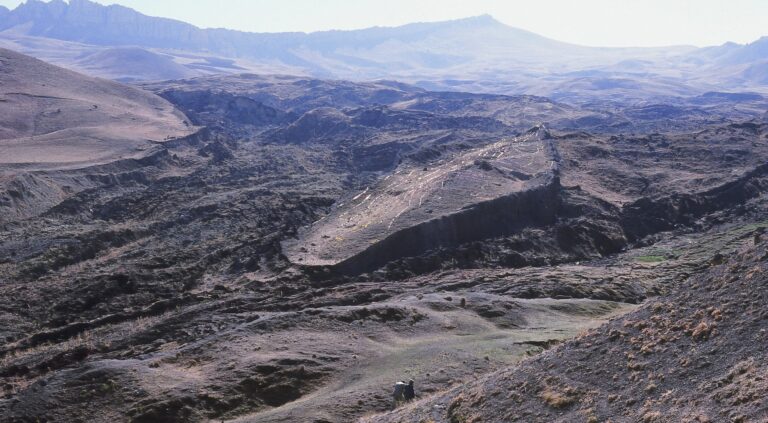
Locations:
(476, 54)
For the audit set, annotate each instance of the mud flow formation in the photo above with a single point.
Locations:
(270, 248)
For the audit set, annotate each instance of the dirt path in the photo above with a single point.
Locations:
(462, 347)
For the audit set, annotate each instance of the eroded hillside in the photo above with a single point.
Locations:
(695, 355)
(62, 133)
(320, 239)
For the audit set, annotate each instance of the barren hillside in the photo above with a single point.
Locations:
(54, 116)
(695, 355)
(62, 133)
(317, 240)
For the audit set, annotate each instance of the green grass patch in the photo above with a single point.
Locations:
(749, 228)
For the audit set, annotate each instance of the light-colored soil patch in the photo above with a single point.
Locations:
(460, 346)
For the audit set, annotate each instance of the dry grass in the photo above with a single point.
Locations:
(558, 399)
(702, 331)
(651, 416)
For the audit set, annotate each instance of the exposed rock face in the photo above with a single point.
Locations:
(503, 216)
(647, 216)
(444, 201)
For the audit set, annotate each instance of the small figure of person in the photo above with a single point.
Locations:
(409, 394)
(398, 395)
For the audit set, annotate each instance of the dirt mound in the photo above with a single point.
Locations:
(133, 64)
(450, 202)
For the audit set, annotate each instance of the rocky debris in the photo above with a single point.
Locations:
(371, 103)
(293, 93)
(217, 151)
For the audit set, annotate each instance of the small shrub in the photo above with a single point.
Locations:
(701, 331)
(651, 416)
(556, 399)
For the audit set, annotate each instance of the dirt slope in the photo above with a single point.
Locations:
(697, 355)
(56, 117)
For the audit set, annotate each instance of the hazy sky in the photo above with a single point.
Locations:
(588, 22)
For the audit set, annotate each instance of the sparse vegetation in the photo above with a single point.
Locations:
(558, 397)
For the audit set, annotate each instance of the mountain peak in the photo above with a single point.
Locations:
(479, 20)
(485, 17)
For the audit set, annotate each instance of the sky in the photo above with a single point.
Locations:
(609, 23)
